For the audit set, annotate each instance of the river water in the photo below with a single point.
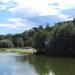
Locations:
(16, 64)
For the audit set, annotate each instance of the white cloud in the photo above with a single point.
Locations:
(7, 4)
(31, 8)
(13, 26)
(14, 19)
(43, 4)
(64, 4)
(40, 7)
(18, 23)
(5, 1)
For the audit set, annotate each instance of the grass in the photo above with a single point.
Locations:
(2, 49)
(19, 50)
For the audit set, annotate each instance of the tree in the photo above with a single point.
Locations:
(6, 44)
(62, 42)
(39, 39)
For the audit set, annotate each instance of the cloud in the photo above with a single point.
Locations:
(4, 1)
(38, 7)
(13, 23)
(6, 4)
(18, 23)
(33, 8)
(15, 19)
(25, 11)
(63, 4)
(13, 26)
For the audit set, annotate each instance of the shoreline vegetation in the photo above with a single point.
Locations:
(54, 41)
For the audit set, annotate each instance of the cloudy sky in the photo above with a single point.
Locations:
(19, 15)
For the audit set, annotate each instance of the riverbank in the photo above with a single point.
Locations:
(19, 50)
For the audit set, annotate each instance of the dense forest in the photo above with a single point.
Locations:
(56, 40)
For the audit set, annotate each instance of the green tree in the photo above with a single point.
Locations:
(62, 42)
(39, 39)
(6, 44)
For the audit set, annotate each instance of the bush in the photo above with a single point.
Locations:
(6, 44)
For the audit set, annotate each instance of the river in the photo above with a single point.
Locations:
(16, 64)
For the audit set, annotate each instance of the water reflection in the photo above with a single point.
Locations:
(52, 66)
(14, 64)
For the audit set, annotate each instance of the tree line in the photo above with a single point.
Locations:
(56, 40)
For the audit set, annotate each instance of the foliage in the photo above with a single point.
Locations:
(6, 44)
(57, 40)
(62, 42)
(39, 41)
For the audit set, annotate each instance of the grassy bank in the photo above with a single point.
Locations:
(19, 50)
(2, 49)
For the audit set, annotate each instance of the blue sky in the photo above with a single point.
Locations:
(19, 15)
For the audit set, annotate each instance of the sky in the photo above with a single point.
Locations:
(17, 16)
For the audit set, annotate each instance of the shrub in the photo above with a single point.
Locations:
(6, 43)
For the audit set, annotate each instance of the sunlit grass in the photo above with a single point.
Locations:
(19, 50)
(2, 49)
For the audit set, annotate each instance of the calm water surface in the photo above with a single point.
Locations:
(15, 64)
